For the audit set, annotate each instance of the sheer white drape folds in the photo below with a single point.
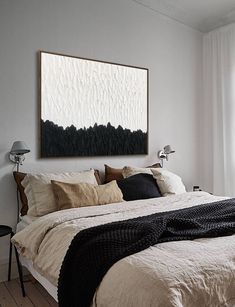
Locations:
(219, 110)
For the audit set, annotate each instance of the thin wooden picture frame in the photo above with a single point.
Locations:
(88, 149)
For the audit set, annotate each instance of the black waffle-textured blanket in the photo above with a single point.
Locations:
(94, 250)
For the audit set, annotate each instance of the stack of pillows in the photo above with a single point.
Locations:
(47, 193)
(39, 189)
(142, 183)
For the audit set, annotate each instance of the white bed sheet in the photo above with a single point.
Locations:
(51, 289)
(25, 220)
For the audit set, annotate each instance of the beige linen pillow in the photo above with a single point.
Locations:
(38, 190)
(128, 171)
(72, 195)
(168, 182)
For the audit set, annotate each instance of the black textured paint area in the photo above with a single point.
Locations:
(94, 250)
(98, 140)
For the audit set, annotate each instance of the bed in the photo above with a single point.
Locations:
(181, 273)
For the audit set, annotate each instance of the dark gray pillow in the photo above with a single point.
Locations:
(139, 186)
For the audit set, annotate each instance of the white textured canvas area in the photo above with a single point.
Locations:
(82, 92)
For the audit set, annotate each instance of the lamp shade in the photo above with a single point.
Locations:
(168, 150)
(19, 148)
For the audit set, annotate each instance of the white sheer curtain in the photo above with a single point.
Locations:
(218, 111)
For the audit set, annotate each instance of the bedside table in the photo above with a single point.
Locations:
(5, 231)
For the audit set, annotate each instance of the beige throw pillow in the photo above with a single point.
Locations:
(168, 182)
(128, 171)
(38, 190)
(69, 195)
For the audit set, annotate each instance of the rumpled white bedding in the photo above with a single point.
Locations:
(25, 220)
(185, 273)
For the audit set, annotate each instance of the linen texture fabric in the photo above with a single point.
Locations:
(69, 195)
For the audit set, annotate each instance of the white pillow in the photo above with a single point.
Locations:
(168, 182)
(128, 171)
(39, 192)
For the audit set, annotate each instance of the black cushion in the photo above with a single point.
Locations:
(140, 186)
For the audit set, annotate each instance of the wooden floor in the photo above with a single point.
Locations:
(36, 295)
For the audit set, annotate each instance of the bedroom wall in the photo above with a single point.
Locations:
(119, 31)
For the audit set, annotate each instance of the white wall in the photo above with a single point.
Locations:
(120, 31)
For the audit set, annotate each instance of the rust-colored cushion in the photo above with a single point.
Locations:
(18, 176)
(112, 173)
(97, 176)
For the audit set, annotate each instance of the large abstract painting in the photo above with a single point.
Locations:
(92, 108)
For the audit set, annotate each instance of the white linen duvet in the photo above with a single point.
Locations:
(194, 273)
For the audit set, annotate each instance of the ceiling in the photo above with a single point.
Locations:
(202, 15)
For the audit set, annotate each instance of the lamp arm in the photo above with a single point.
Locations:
(163, 154)
(17, 159)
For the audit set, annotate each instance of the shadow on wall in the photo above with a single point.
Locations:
(8, 203)
(4, 160)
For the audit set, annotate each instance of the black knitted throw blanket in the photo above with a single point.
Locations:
(94, 250)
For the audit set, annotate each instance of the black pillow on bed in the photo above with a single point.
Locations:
(140, 186)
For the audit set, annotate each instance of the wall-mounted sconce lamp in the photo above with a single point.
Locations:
(163, 154)
(17, 152)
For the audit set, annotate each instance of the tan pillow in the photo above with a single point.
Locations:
(39, 191)
(130, 171)
(72, 195)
